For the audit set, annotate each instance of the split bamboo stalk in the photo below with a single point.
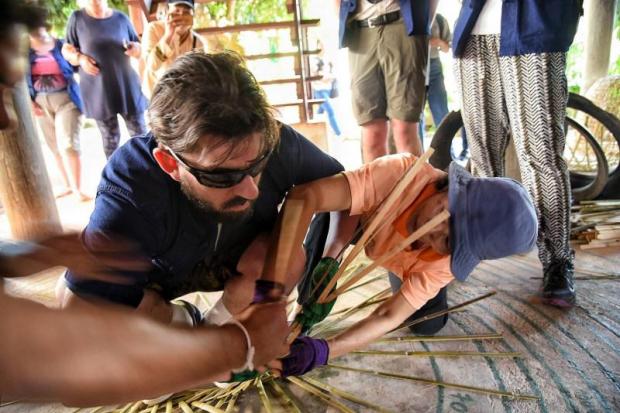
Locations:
(330, 323)
(231, 403)
(359, 307)
(327, 398)
(472, 389)
(377, 219)
(288, 229)
(154, 409)
(345, 395)
(263, 396)
(168, 406)
(186, 408)
(419, 233)
(437, 353)
(449, 310)
(497, 336)
(288, 402)
(204, 407)
(372, 280)
(135, 407)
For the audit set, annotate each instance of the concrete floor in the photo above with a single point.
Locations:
(569, 359)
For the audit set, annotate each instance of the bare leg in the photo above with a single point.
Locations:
(63, 174)
(374, 139)
(406, 136)
(74, 165)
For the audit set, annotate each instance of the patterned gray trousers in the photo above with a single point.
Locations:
(524, 97)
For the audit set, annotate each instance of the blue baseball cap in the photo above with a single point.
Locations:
(490, 218)
(188, 3)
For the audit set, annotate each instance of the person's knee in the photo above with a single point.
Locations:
(429, 327)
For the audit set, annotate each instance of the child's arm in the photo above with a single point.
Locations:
(385, 318)
(303, 201)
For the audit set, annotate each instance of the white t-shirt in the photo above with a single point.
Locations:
(366, 10)
(490, 19)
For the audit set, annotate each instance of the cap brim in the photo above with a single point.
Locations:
(186, 3)
(462, 261)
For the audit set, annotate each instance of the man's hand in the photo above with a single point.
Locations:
(175, 24)
(37, 109)
(88, 64)
(268, 329)
(439, 43)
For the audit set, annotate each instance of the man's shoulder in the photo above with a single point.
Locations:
(133, 172)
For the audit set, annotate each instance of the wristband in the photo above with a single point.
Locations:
(249, 358)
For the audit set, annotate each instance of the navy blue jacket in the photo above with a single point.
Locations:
(415, 15)
(528, 26)
(138, 201)
(67, 71)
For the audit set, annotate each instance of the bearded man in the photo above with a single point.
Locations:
(199, 193)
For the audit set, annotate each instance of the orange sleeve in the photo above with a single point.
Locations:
(420, 287)
(372, 183)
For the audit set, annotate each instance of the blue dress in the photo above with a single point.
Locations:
(116, 89)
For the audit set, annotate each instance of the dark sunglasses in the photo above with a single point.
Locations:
(223, 177)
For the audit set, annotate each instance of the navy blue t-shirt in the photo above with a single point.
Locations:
(190, 251)
(116, 89)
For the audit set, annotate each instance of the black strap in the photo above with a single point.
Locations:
(380, 20)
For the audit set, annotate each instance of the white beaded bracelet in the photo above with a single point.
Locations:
(249, 358)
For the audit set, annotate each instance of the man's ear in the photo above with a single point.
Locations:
(167, 163)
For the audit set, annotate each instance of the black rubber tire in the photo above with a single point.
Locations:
(590, 189)
(596, 183)
(611, 122)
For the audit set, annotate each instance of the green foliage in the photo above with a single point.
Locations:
(574, 67)
(60, 10)
(247, 11)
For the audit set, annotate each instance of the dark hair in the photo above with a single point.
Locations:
(210, 94)
(14, 12)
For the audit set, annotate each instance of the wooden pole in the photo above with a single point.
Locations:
(25, 189)
(599, 15)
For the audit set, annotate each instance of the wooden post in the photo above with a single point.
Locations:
(25, 188)
(599, 16)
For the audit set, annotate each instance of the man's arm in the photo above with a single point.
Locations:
(111, 355)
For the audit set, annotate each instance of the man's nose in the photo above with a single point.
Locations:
(247, 188)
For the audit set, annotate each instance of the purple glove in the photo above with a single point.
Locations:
(267, 290)
(306, 354)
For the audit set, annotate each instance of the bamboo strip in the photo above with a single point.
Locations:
(288, 229)
(186, 409)
(154, 409)
(417, 234)
(168, 406)
(321, 395)
(372, 280)
(125, 408)
(201, 394)
(221, 402)
(205, 407)
(10, 403)
(497, 336)
(449, 310)
(377, 219)
(231, 403)
(135, 407)
(438, 383)
(263, 396)
(368, 304)
(345, 395)
(288, 402)
(437, 353)
(330, 323)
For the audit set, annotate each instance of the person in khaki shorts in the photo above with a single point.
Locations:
(57, 106)
(388, 48)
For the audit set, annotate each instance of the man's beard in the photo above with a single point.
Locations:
(206, 208)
